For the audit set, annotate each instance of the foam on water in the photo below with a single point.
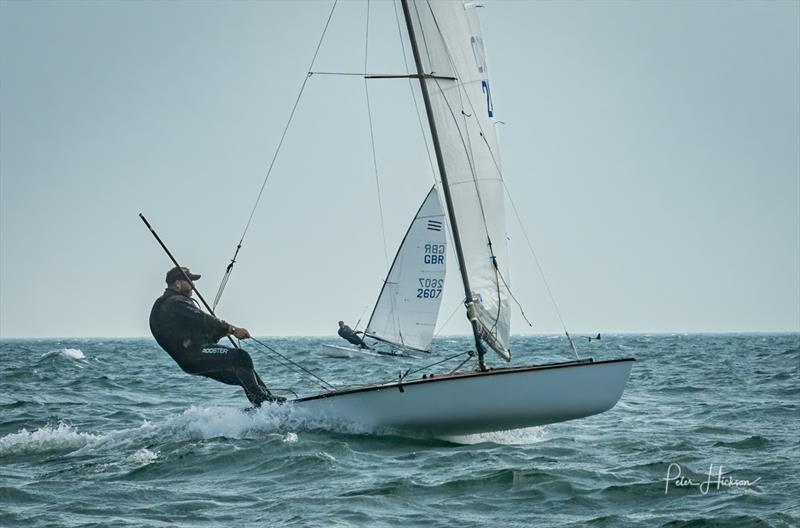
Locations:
(75, 354)
(210, 421)
(143, 456)
(72, 353)
(195, 423)
(62, 437)
(531, 435)
(327, 457)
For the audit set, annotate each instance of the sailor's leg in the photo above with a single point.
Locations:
(358, 342)
(261, 382)
(254, 392)
(254, 388)
(233, 366)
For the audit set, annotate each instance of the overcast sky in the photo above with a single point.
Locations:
(652, 148)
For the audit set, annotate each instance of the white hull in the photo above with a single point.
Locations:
(468, 403)
(344, 352)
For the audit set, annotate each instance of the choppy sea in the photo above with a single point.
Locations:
(110, 432)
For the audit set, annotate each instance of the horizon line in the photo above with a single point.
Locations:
(532, 334)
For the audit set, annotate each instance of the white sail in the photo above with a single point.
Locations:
(408, 305)
(452, 53)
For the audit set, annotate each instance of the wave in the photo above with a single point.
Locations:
(524, 481)
(751, 442)
(143, 456)
(721, 521)
(75, 354)
(279, 423)
(62, 437)
(72, 353)
(195, 423)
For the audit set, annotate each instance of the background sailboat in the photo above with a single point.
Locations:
(404, 316)
(408, 305)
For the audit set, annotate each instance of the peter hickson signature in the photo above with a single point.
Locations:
(674, 475)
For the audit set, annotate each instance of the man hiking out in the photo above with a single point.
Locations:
(347, 333)
(190, 337)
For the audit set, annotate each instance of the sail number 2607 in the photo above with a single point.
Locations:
(430, 288)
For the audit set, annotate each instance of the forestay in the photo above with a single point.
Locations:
(451, 46)
(408, 305)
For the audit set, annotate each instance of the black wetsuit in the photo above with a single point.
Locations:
(347, 333)
(189, 336)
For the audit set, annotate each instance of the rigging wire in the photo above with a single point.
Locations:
(344, 74)
(365, 75)
(372, 138)
(229, 269)
(413, 94)
(469, 353)
(318, 380)
(519, 305)
(393, 312)
(404, 375)
(541, 270)
(530, 247)
(441, 328)
(360, 317)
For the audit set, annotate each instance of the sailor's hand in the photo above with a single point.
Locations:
(240, 333)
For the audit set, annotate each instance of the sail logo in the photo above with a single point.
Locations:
(488, 92)
(434, 225)
(479, 52)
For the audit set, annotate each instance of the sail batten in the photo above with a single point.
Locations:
(450, 44)
(408, 305)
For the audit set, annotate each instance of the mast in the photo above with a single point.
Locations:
(476, 331)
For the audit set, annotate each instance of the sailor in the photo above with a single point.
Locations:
(190, 337)
(347, 333)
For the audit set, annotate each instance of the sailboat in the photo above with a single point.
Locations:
(451, 67)
(408, 305)
(404, 316)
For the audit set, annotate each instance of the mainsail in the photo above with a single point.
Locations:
(408, 305)
(452, 67)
